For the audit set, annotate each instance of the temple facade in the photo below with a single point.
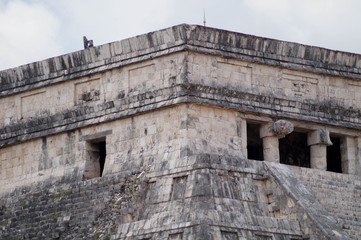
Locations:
(184, 133)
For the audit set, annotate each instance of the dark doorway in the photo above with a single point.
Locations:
(334, 156)
(294, 150)
(94, 159)
(254, 142)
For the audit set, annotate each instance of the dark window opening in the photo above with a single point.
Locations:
(254, 142)
(102, 155)
(334, 156)
(294, 150)
(95, 159)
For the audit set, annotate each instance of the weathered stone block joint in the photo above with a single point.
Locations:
(184, 133)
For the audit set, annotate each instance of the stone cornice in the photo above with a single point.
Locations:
(90, 114)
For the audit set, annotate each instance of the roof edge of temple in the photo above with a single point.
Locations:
(178, 38)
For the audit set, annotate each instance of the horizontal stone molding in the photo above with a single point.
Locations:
(87, 115)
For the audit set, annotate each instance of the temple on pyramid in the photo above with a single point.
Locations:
(188, 132)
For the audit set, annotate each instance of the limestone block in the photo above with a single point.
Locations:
(319, 136)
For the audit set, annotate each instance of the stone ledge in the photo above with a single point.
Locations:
(323, 113)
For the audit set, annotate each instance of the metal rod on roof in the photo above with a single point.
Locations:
(204, 16)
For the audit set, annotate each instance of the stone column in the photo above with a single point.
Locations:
(348, 155)
(318, 156)
(318, 141)
(270, 133)
(271, 149)
(358, 157)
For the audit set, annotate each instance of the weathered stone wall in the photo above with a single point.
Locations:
(133, 142)
(40, 159)
(156, 139)
(339, 194)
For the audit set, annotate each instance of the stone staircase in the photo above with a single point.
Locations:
(340, 194)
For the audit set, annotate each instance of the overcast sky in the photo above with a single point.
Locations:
(33, 30)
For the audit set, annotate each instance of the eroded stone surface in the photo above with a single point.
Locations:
(282, 127)
(172, 109)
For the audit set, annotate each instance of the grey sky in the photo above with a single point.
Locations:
(33, 30)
